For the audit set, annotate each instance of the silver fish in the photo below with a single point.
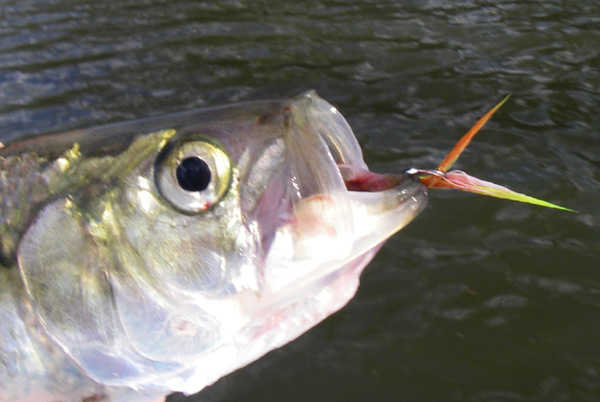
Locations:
(144, 258)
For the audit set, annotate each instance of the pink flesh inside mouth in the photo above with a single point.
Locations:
(357, 179)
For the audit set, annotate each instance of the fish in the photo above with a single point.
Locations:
(143, 258)
(157, 256)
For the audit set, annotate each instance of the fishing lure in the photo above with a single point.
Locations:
(459, 180)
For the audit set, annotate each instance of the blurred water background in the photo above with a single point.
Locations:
(478, 299)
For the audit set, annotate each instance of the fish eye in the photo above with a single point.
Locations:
(193, 175)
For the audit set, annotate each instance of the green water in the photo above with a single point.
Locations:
(478, 299)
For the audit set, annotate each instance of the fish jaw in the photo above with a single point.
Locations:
(312, 274)
(321, 237)
(332, 209)
(328, 230)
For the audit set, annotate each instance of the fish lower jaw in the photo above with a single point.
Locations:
(282, 317)
(272, 320)
(321, 236)
(321, 264)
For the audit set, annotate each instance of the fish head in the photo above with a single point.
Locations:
(206, 244)
(292, 239)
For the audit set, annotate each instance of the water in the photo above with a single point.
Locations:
(478, 299)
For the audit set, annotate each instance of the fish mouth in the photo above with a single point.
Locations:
(337, 211)
(322, 219)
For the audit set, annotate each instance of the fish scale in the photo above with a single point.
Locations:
(23, 186)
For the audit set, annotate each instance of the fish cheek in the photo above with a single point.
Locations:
(64, 275)
(89, 293)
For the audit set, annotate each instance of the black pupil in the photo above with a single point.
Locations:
(193, 174)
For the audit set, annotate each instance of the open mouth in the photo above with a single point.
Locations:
(336, 210)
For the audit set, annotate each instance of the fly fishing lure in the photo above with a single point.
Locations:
(459, 180)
